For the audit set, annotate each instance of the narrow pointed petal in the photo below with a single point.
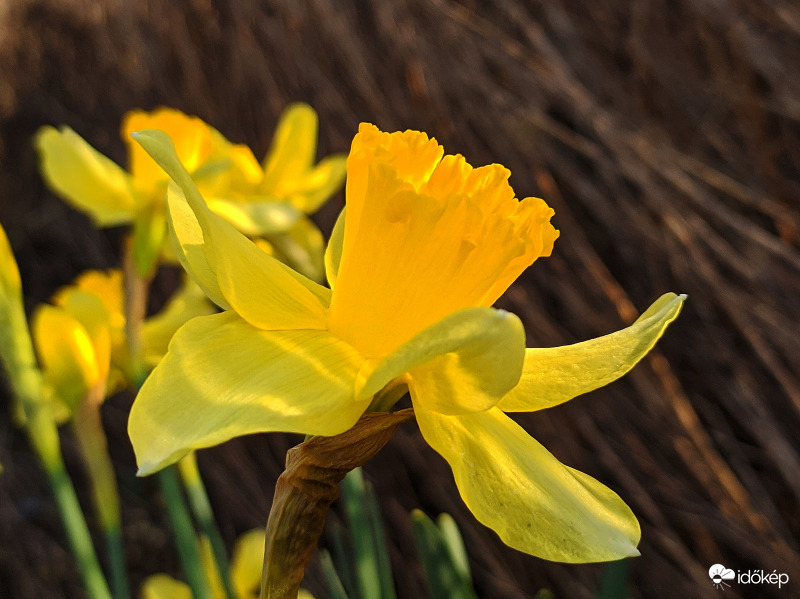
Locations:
(223, 378)
(265, 292)
(85, 178)
(513, 485)
(466, 362)
(293, 149)
(333, 253)
(554, 375)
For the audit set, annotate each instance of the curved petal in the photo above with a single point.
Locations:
(466, 362)
(66, 353)
(293, 148)
(265, 292)
(554, 375)
(85, 178)
(513, 485)
(302, 247)
(333, 253)
(223, 378)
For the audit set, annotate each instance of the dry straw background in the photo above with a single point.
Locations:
(664, 133)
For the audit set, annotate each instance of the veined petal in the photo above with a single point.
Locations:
(223, 378)
(265, 292)
(554, 375)
(426, 237)
(517, 488)
(66, 353)
(464, 363)
(293, 149)
(333, 253)
(85, 178)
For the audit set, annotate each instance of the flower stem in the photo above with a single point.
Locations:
(25, 380)
(304, 492)
(201, 508)
(185, 538)
(88, 428)
(136, 291)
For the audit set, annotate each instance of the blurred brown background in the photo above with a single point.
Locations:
(664, 133)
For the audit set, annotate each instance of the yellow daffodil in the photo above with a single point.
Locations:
(248, 557)
(268, 200)
(427, 245)
(80, 338)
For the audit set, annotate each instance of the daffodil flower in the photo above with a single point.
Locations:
(248, 557)
(427, 245)
(267, 201)
(80, 337)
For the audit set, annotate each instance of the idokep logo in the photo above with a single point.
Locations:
(719, 574)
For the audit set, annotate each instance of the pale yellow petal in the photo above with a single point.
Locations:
(85, 178)
(312, 189)
(265, 292)
(162, 586)
(10, 283)
(188, 302)
(246, 563)
(554, 375)
(465, 363)
(293, 149)
(224, 378)
(517, 488)
(333, 253)
(66, 353)
(90, 312)
(302, 249)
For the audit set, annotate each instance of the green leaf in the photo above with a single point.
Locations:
(444, 576)
(335, 587)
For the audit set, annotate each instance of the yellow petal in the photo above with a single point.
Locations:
(302, 248)
(425, 237)
(517, 488)
(465, 363)
(554, 375)
(293, 149)
(265, 292)
(161, 586)
(66, 354)
(85, 178)
(195, 142)
(10, 284)
(256, 217)
(246, 563)
(149, 234)
(223, 378)
(89, 311)
(188, 302)
(333, 253)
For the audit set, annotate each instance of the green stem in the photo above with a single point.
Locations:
(88, 428)
(201, 508)
(136, 291)
(26, 385)
(185, 538)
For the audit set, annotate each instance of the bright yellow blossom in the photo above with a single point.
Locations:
(427, 245)
(268, 200)
(80, 338)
